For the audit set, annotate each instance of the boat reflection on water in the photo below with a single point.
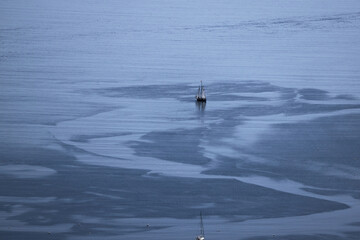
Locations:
(200, 105)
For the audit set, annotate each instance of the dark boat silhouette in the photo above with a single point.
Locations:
(200, 96)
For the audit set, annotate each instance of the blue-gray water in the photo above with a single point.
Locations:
(101, 135)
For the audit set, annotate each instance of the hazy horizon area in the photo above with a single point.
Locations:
(101, 136)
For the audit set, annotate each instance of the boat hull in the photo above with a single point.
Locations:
(201, 99)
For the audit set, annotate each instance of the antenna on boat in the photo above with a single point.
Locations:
(201, 225)
(202, 233)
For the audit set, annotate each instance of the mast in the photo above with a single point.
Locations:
(202, 233)
(202, 92)
(200, 97)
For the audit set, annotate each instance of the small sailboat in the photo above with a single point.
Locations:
(202, 234)
(200, 96)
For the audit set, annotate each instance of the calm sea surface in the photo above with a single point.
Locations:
(101, 137)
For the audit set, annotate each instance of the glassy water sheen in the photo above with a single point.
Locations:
(101, 137)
